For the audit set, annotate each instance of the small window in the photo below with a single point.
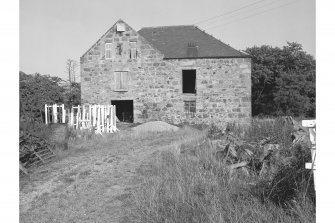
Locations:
(133, 53)
(119, 49)
(120, 27)
(121, 80)
(108, 51)
(190, 108)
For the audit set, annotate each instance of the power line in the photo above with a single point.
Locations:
(229, 12)
(251, 10)
(262, 12)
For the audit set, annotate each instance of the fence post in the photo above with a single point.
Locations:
(108, 119)
(102, 119)
(94, 116)
(83, 118)
(72, 117)
(54, 109)
(46, 113)
(63, 114)
(114, 119)
(90, 115)
(78, 117)
(311, 125)
(98, 118)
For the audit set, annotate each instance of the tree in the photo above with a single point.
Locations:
(71, 66)
(72, 95)
(283, 81)
(35, 91)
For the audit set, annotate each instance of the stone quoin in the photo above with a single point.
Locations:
(174, 74)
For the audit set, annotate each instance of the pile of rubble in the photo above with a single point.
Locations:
(262, 157)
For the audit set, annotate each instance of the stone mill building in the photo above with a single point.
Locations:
(170, 73)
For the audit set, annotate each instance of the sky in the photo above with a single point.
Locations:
(53, 31)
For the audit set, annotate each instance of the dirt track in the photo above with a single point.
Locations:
(90, 186)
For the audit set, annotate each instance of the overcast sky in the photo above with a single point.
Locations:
(53, 31)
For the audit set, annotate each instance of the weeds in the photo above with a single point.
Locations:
(195, 186)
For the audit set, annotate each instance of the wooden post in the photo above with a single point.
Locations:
(103, 118)
(78, 117)
(108, 119)
(83, 119)
(115, 118)
(72, 118)
(98, 120)
(46, 113)
(90, 115)
(63, 114)
(112, 118)
(54, 113)
(311, 125)
(94, 116)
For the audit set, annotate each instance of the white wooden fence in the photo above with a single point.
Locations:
(311, 125)
(54, 114)
(101, 118)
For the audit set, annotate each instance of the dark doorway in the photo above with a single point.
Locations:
(189, 77)
(124, 110)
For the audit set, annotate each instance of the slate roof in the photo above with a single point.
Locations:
(172, 41)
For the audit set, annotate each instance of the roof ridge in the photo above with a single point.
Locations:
(155, 27)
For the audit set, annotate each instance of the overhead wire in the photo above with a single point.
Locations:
(229, 12)
(247, 11)
(252, 15)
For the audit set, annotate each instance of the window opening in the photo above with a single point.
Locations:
(190, 108)
(108, 50)
(120, 27)
(119, 49)
(133, 53)
(189, 81)
(121, 80)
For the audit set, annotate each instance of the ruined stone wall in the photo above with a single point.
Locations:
(155, 85)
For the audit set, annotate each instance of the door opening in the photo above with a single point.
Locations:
(124, 110)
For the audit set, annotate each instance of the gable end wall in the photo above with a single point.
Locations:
(155, 85)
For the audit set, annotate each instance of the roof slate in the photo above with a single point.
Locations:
(172, 41)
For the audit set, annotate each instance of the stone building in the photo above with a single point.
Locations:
(170, 73)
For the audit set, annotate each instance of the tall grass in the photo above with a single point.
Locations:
(196, 187)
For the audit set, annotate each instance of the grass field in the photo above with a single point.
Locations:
(91, 181)
(156, 177)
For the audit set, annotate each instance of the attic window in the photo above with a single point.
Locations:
(108, 51)
(120, 27)
(192, 50)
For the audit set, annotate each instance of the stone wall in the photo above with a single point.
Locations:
(155, 84)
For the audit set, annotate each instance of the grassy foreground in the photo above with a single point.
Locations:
(193, 186)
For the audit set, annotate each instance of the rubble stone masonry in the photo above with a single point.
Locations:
(223, 85)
